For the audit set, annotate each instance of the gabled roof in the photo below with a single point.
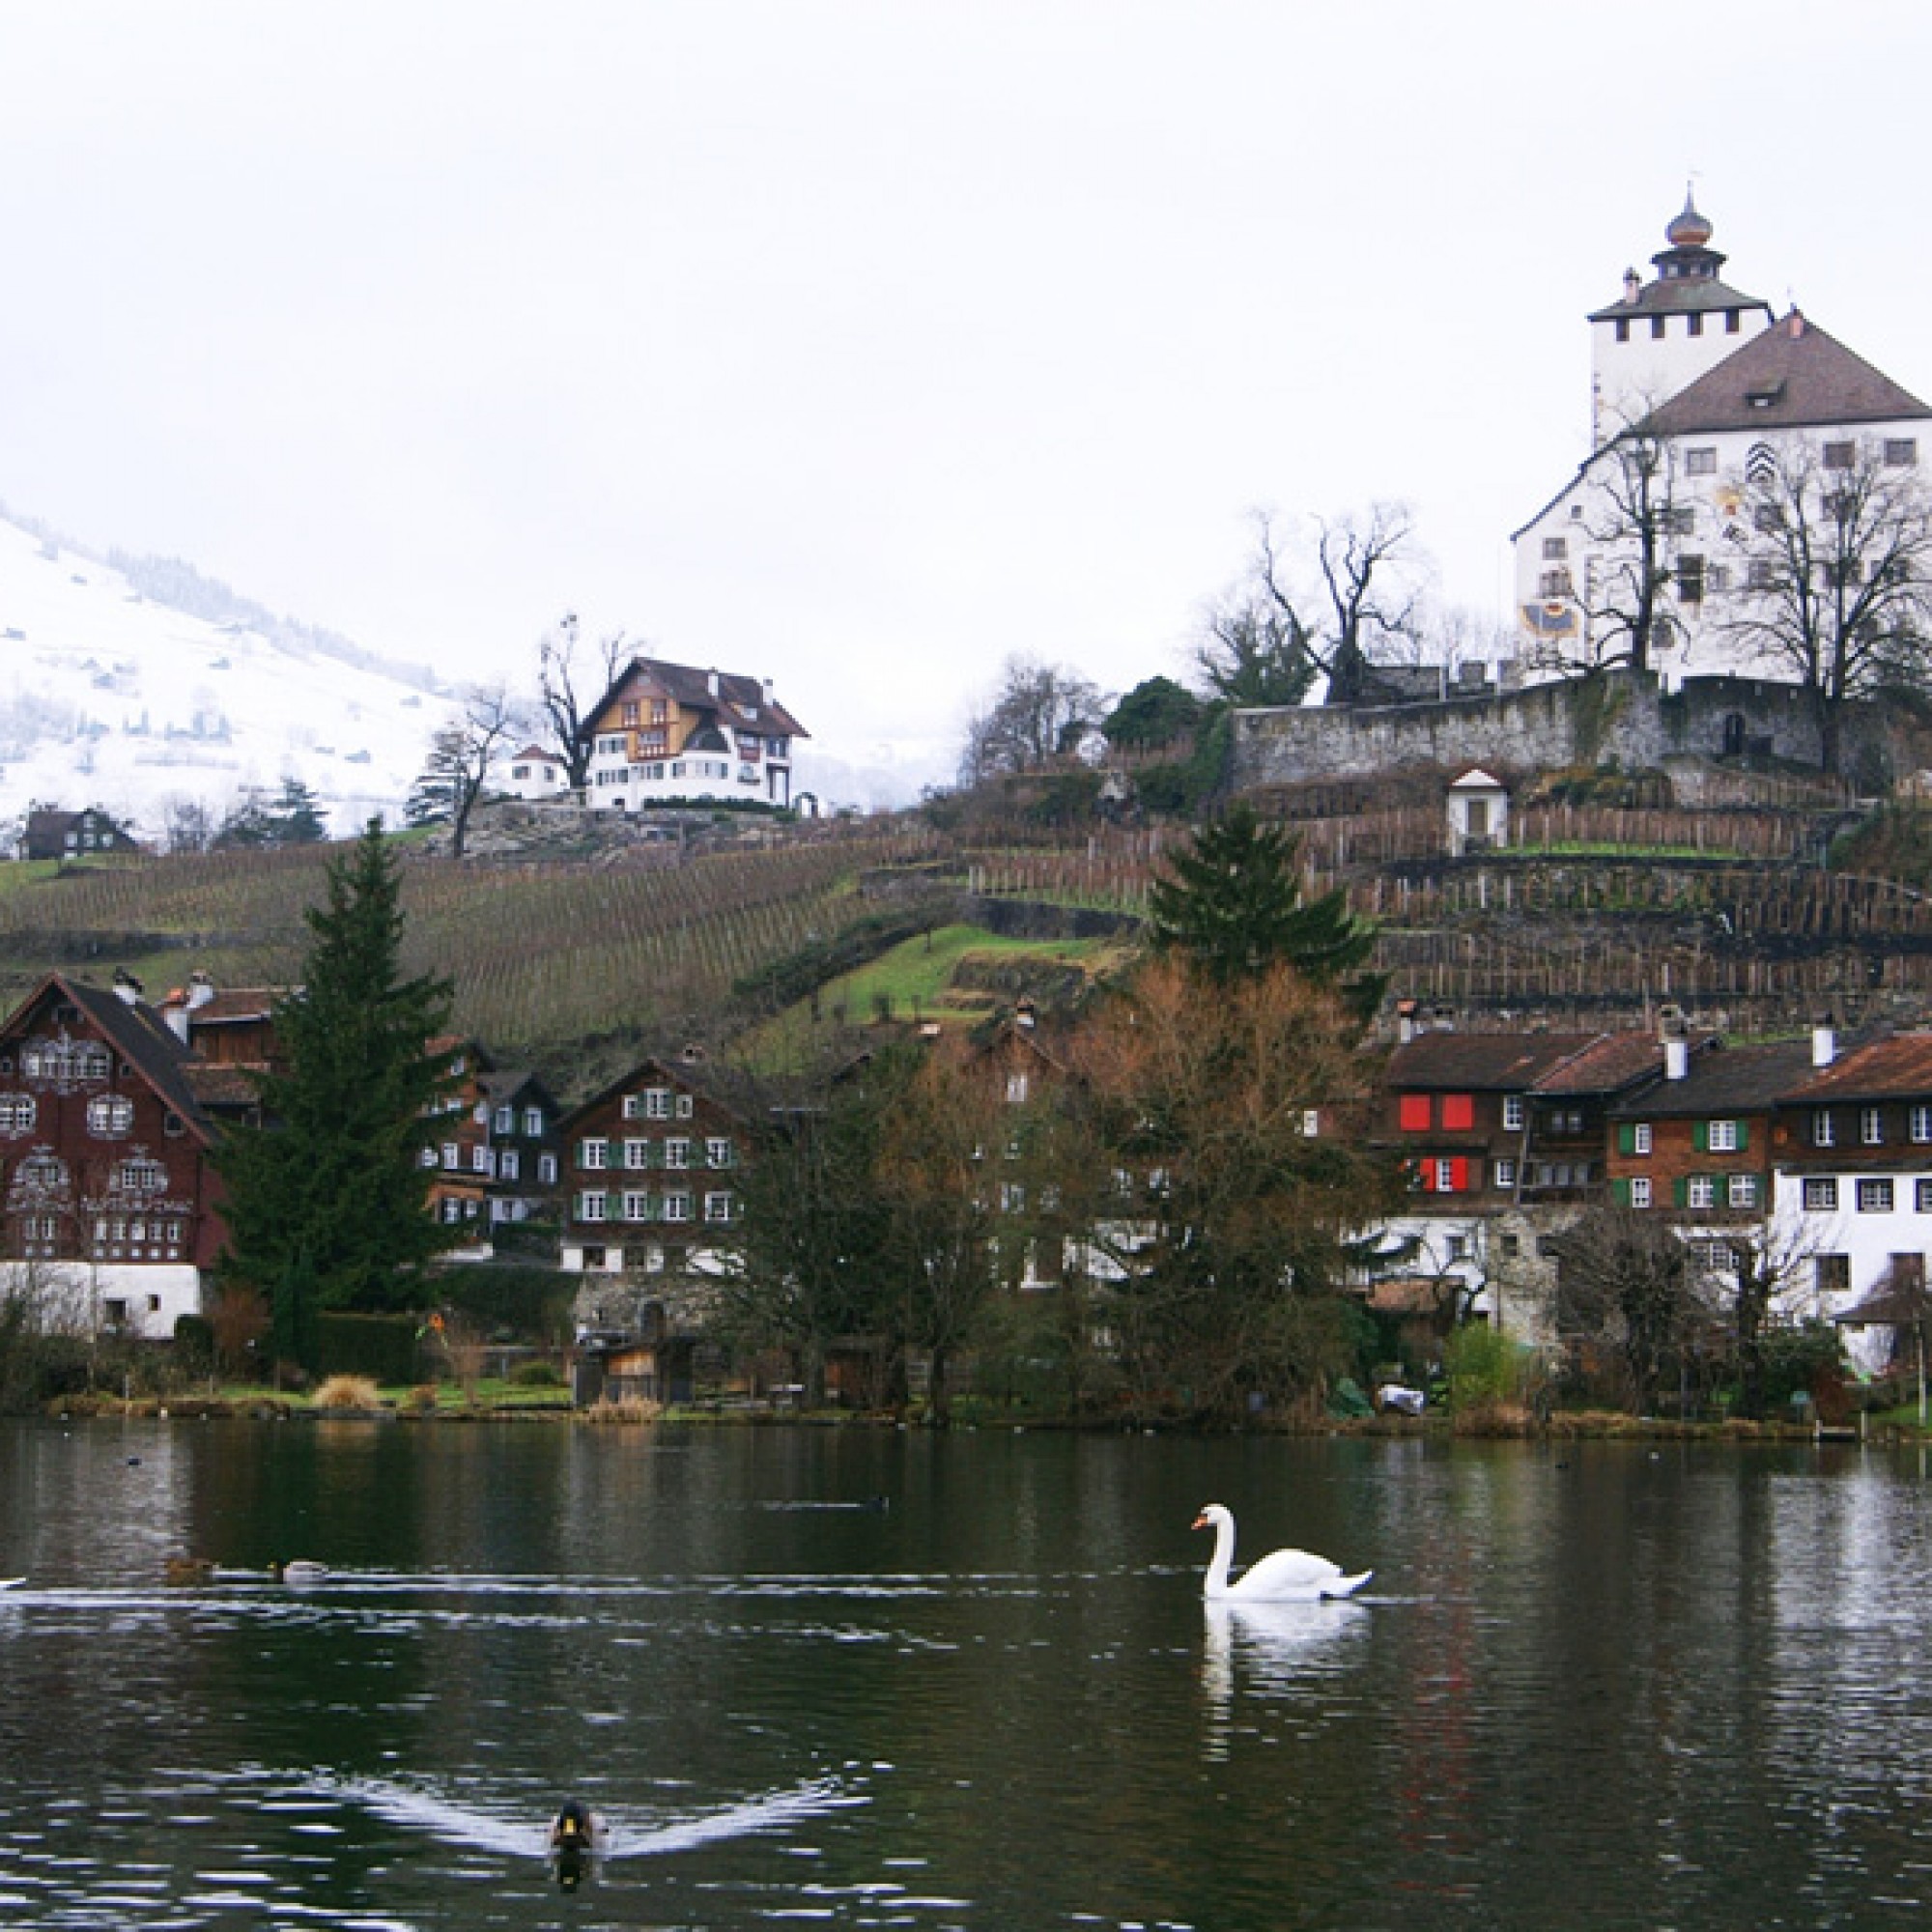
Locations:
(506, 1087)
(1612, 1062)
(1792, 376)
(739, 700)
(1488, 1061)
(1679, 295)
(139, 1035)
(1899, 1068)
(670, 1073)
(1726, 1080)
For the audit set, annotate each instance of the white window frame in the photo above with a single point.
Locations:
(1702, 1191)
(1741, 1190)
(1640, 1190)
(1871, 1126)
(1819, 1195)
(677, 1152)
(594, 1154)
(592, 1206)
(1721, 1136)
(1876, 1195)
(677, 1207)
(1823, 1133)
(1515, 1112)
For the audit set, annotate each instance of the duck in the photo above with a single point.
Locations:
(300, 1570)
(1281, 1576)
(187, 1569)
(574, 1835)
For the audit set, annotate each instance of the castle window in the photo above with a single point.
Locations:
(1657, 329)
(1700, 463)
(1680, 518)
(1900, 451)
(1690, 579)
(1731, 321)
(1697, 323)
(1555, 549)
(1554, 584)
(1841, 455)
(1623, 329)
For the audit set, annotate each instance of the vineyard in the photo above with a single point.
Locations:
(1591, 912)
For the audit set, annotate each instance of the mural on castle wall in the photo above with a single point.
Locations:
(1622, 717)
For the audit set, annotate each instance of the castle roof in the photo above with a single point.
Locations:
(1792, 376)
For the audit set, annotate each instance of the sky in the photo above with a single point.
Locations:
(863, 343)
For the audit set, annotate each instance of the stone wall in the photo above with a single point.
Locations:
(1624, 717)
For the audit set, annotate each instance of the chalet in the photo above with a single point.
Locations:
(666, 732)
(111, 1206)
(459, 1156)
(526, 1148)
(71, 835)
(651, 1197)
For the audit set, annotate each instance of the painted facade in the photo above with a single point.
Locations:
(667, 732)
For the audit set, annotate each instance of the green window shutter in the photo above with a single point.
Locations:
(1621, 1191)
(613, 1206)
(1625, 1139)
(1700, 1136)
(1680, 1190)
(1744, 1135)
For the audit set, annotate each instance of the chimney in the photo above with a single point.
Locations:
(127, 987)
(1405, 1026)
(1676, 1044)
(1633, 284)
(1824, 1043)
(199, 990)
(711, 682)
(766, 685)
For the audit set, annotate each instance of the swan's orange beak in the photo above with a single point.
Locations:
(1200, 1522)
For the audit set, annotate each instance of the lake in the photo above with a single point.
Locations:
(856, 1678)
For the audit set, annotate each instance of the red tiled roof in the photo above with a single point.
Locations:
(1900, 1066)
(1611, 1061)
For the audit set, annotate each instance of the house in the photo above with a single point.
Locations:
(459, 1156)
(526, 1150)
(1852, 1205)
(649, 1199)
(535, 773)
(71, 835)
(111, 1203)
(670, 733)
(1699, 394)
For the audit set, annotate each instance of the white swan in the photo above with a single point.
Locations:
(1281, 1576)
(302, 1571)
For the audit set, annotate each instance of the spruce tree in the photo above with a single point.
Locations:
(1232, 904)
(331, 1188)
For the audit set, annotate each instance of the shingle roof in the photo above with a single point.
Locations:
(1679, 295)
(740, 700)
(1894, 1068)
(1508, 1063)
(1612, 1062)
(1726, 1080)
(1793, 375)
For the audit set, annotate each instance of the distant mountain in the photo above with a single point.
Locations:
(132, 682)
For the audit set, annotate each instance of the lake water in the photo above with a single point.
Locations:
(1593, 1685)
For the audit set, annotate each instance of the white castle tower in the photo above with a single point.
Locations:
(1665, 333)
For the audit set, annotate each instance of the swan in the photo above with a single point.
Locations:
(300, 1570)
(1281, 1576)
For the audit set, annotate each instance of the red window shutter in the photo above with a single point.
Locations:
(1459, 1110)
(1459, 1176)
(1415, 1113)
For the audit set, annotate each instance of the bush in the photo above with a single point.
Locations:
(356, 1392)
(194, 1344)
(1485, 1368)
(538, 1374)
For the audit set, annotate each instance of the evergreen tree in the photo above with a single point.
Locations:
(1232, 904)
(332, 1185)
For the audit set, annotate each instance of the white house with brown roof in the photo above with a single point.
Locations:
(666, 733)
(1698, 397)
(535, 773)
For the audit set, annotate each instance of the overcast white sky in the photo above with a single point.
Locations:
(861, 344)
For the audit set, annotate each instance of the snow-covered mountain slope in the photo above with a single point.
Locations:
(111, 698)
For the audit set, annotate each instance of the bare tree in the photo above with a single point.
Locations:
(187, 824)
(1630, 518)
(1625, 1278)
(1038, 711)
(1837, 588)
(573, 679)
(462, 757)
(1363, 578)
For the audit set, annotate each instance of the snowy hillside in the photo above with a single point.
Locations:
(110, 697)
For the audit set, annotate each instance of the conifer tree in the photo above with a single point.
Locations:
(1232, 904)
(331, 1187)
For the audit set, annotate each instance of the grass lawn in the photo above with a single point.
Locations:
(916, 980)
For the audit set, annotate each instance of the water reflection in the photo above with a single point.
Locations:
(1272, 1650)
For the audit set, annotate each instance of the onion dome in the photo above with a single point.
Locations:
(1690, 230)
